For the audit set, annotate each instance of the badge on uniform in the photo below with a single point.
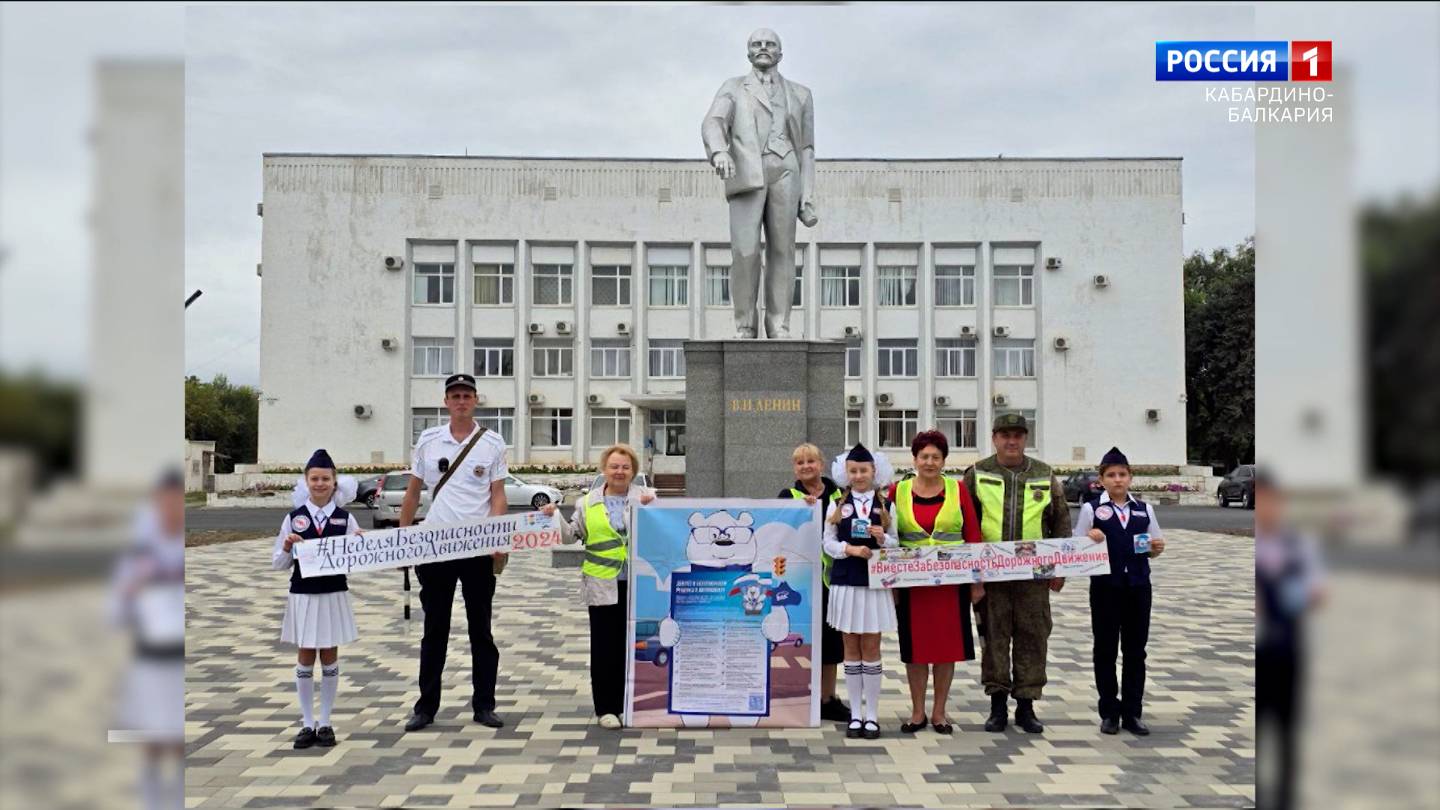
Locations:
(859, 528)
(339, 522)
(1104, 513)
(479, 470)
(1037, 494)
(1142, 544)
(847, 510)
(299, 523)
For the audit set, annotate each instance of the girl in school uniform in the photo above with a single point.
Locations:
(318, 616)
(858, 525)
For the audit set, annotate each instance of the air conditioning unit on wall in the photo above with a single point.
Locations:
(854, 400)
(1052, 263)
(363, 411)
(1000, 399)
(942, 401)
(1061, 344)
(884, 400)
(537, 399)
(595, 399)
(537, 328)
(1002, 331)
(389, 344)
(563, 328)
(1102, 280)
(394, 263)
(852, 331)
(622, 328)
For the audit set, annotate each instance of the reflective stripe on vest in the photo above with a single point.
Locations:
(604, 547)
(991, 494)
(825, 559)
(948, 524)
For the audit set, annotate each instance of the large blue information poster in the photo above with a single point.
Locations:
(725, 614)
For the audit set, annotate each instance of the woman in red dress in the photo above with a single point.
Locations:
(935, 631)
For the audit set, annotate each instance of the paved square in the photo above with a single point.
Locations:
(241, 712)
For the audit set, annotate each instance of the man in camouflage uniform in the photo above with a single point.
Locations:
(1018, 498)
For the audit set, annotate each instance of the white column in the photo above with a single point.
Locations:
(697, 291)
(924, 300)
(869, 427)
(524, 280)
(580, 432)
(812, 290)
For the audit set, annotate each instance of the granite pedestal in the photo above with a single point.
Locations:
(748, 403)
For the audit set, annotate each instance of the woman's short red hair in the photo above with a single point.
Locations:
(929, 438)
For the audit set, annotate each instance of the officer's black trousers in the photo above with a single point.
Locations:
(1120, 620)
(608, 656)
(437, 595)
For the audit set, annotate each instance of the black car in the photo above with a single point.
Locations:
(1082, 486)
(366, 492)
(1237, 487)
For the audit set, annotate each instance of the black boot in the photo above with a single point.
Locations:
(1025, 716)
(999, 712)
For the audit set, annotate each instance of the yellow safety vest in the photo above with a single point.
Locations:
(991, 493)
(948, 524)
(825, 560)
(604, 547)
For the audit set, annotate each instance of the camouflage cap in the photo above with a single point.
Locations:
(1010, 421)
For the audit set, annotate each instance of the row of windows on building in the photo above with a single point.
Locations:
(669, 286)
(1011, 358)
(554, 428)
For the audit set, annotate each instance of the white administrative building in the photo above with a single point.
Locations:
(962, 288)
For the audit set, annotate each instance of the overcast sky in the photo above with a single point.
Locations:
(629, 81)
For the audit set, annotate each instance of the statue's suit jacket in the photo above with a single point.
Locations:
(739, 122)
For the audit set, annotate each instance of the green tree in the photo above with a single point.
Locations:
(226, 414)
(1399, 242)
(43, 416)
(1220, 355)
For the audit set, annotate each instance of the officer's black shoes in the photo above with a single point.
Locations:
(1025, 716)
(999, 712)
(305, 738)
(872, 730)
(489, 718)
(834, 709)
(1135, 726)
(418, 721)
(1110, 725)
(325, 737)
(855, 729)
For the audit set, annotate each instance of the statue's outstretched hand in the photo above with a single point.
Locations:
(724, 165)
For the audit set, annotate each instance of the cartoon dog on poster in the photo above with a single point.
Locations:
(726, 542)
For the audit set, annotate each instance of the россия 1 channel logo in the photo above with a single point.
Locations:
(1242, 61)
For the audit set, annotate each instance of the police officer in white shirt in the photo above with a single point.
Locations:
(475, 490)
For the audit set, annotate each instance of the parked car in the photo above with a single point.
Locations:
(368, 490)
(1082, 486)
(647, 644)
(1239, 486)
(388, 496)
(643, 479)
(519, 493)
(792, 640)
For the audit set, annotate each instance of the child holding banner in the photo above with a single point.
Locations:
(1120, 600)
(859, 525)
(318, 617)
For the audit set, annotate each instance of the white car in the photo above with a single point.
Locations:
(391, 493)
(519, 493)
